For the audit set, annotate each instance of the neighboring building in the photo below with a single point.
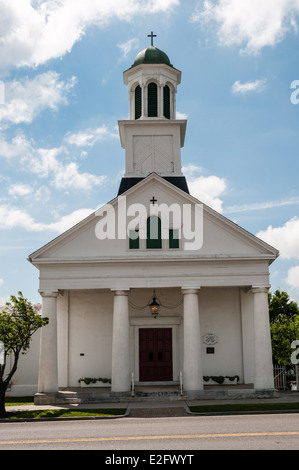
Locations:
(209, 276)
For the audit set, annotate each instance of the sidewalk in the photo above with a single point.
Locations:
(152, 407)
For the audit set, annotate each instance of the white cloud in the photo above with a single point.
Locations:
(90, 136)
(25, 99)
(42, 194)
(1, 281)
(68, 221)
(65, 176)
(284, 238)
(262, 205)
(206, 189)
(127, 47)
(3, 301)
(239, 88)
(69, 177)
(13, 217)
(253, 23)
(180, 115)
(34, 32)
(293, 277)
(20, 189)
(17, 147)
(48, 163)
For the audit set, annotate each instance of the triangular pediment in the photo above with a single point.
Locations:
(220, 238)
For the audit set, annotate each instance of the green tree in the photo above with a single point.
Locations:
(18, 322)
(281, 306)
(284, 325)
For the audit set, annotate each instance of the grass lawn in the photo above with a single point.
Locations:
(59, 413)
(17, 401)
(66, 413)
(244, 407)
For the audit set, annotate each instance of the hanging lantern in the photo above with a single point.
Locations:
(154, 306)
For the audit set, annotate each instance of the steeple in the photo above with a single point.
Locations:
(152, 136)
(152, 83)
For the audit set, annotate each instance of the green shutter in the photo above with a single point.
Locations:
(174, 241)
(154, 239)
(152, 94)
(134, 239)
(138, 104)
(166, 102)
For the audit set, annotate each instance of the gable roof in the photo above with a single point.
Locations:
(218, 225)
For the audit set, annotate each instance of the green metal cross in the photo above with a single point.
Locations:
(152, 36)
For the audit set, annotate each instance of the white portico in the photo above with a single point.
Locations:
(209, 276)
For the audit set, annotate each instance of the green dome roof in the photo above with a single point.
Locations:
(151, 55)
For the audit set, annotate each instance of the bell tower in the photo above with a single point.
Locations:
(152, 136)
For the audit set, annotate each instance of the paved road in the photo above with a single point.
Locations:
(153, 434)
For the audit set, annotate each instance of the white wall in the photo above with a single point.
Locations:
(220, 315)
(225, 312)
(90, 335)
(85, 327)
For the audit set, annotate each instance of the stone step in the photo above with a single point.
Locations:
(77, 397)
(158, 393)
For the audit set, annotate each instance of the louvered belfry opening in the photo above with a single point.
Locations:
(152, 93)
(166, 102)
(138, 102)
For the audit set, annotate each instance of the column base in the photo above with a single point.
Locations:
(45, 398)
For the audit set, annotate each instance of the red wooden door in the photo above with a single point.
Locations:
(155, 354)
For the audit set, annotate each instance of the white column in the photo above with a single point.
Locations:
(192, 369)
(144, 106)
(132, 104)
(120, 378)
(263, 367)
(48, 364)
(174, 104)
(160, 101)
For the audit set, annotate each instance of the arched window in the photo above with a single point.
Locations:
(152, 95)
(154, 239)
(138, 102)
(166, 102)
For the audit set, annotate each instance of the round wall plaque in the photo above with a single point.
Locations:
(210, 338)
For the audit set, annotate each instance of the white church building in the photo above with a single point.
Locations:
(155, 288)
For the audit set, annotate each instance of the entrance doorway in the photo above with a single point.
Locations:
(155, 354)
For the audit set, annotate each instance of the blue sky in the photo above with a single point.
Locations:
(62, 94)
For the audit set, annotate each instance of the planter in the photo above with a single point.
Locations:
(89, 383)
(220, 380)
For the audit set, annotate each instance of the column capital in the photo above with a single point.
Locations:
(121, 291)
(53, 293)
(190, 290)
(260, 290)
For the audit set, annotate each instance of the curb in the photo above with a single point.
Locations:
(232, 413)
